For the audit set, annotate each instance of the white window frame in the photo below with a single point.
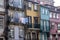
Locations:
(44, 25)
(58, 26)
(20, 4)
(35, 6)
(29, 4)
(2, 2)
(51, 15)
(11, 2)
(43, 10)
(57, 16)
(54, 15)
(46, 11)
(42, 36)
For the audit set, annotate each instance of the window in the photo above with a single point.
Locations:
(51, 15)
(21, 33)
(15, 3)
(29, 5)
(11, 33)
(2, 2)
(28, 36)
(15, 17)
(45, 36)
(58, 26)
(52, 25)
(44, 25)
(57, 16)
(54, 15)
(29, 19)
(46, 11)
(43, 10)
(35, 7)
(36, 20)
(35, 0)
(41, 23)
(47, 23)
(1, 22)
(20, 4)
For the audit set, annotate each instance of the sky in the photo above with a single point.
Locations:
(57, 2)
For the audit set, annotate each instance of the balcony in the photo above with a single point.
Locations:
(33, 26)
(47, 29)
(36, 25)
(29, 25)
(16, 5)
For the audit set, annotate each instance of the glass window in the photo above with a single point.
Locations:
(41, 23)
(11, 33)
(43, 10)
(2, 2)
(58, 26)
(51, 15)
(46, 11)
(43, 37)
(11, 2)
(54, 15)
(35, 7)
(35, 0)
(47, 23)
(44, 25)
(20, 4)
(52, 25)
(21, 33)
(29, 4)
(57, 16)
(29, 19)
(1, 22)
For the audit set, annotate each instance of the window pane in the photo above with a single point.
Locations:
(58, 26)
(46, 11)
(43, 10)
(44, 25)
(57, 16)
(1, 22)
(2, 2)
(35, 7)
(20, 4)
(50, 15)
(54, 15)
(29, 4)
(41, 23)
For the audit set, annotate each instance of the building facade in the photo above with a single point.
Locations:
(49, 2)
(54, 25)
(32, 12)
(44, 23)
(16, 14)
(2, 19)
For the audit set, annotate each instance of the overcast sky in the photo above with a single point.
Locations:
(57, 2)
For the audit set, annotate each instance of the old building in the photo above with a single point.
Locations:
(2, 19)
(16, 14)
(49, 2)
(54, 24)
(44, 23)
(32, 12)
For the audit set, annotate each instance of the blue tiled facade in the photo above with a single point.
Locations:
(44, 17)
(44, 21)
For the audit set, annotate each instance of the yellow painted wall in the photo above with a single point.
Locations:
(32, 13)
